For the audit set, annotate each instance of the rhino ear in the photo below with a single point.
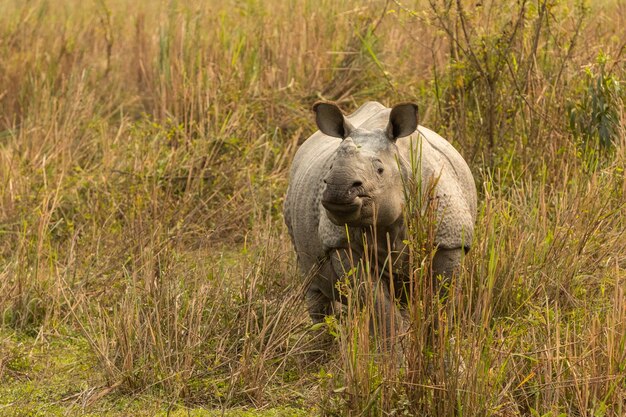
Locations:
(403, 121)
(331, 121)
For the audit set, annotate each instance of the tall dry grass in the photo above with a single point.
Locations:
(144, 150)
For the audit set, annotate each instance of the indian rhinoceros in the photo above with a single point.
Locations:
(346, 186)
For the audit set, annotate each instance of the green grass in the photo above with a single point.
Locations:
(60, 376)
(144, 155)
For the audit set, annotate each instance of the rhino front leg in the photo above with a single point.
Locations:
(446, 263)
(318, 304)
(388, 318)
(321, 294)
(387, 321)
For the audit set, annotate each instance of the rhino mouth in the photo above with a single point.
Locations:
(342, 208)
(342, 213)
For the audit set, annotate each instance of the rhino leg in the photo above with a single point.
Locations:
(318, 304)
(321, 295)
(446, 263)
(388, 320)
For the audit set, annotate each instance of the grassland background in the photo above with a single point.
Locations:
(144, 150)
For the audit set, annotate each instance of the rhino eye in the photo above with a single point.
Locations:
(379, 166)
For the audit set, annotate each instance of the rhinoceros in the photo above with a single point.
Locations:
(346, 186)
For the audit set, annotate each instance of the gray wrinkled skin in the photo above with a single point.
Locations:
(341, 186)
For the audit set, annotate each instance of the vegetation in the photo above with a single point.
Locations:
(144, 151)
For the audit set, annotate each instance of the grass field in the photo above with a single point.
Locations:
(144, 149)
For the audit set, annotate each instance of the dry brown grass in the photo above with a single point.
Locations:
(144, 151)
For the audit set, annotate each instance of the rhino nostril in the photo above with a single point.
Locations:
(357, 184)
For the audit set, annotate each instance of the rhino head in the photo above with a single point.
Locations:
(363, 185)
